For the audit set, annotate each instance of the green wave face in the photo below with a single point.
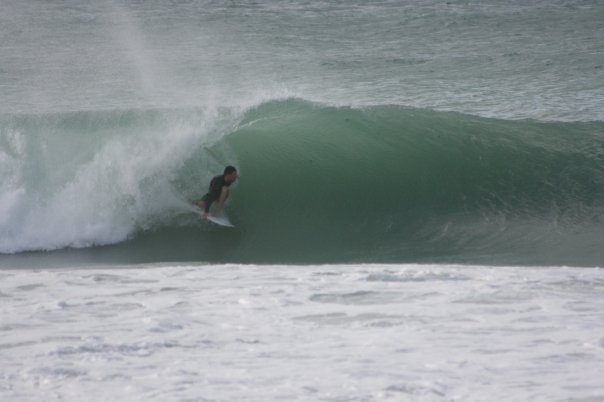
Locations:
(390, 184)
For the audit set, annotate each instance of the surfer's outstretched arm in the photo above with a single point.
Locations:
(224, 194)
(202, 204)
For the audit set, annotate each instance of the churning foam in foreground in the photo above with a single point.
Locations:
(274, 333)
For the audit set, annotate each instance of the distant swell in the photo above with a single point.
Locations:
(318, 184)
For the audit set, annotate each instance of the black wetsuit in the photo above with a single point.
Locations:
(215, 190)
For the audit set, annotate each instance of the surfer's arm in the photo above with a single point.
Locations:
(223, 196)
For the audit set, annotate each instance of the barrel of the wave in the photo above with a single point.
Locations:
(390, 183)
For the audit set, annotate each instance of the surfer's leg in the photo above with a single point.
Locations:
(204, 203)
(207, 206)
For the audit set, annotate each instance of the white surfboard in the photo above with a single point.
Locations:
(220, 220)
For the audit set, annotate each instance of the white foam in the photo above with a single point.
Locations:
(127, 184)
(273, 333)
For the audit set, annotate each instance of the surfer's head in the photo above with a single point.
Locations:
(230, 174)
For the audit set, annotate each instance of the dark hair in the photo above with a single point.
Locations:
(229, 169)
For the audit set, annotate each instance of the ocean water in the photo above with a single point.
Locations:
(420, 213)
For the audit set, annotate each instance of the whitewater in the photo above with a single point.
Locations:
(273, 333)
(419, 215)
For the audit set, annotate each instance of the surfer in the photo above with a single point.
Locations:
(218, 191)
